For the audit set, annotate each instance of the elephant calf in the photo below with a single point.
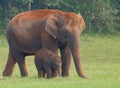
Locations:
(47, 63)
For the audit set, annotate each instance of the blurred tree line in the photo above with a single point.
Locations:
(99, 15)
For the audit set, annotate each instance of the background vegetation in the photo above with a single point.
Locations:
(99, 15)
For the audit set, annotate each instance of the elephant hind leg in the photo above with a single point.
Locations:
(22, 67)
(20, 58)
(9, 65)
(55, 73)
(48, 73)
(41, 74)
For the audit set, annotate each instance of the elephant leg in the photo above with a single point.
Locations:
(9, 66)
(40, 73)
(49, 72)
(22, 67)
(66, 60)
(43, 74)
(55, 73)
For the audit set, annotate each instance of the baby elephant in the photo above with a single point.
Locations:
(47, 63)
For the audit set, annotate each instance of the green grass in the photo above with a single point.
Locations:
(100, 59)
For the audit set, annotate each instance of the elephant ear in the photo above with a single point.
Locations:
(51, 25)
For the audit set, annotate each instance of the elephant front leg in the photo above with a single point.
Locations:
(9, 66)
(66, 60)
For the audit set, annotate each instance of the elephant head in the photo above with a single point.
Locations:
(66, 29)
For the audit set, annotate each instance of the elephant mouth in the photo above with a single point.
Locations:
(62, 43)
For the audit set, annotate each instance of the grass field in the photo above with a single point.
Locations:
(100, 59)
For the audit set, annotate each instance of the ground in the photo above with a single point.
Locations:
(100, 60)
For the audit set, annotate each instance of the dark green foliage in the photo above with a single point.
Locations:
(99, 15)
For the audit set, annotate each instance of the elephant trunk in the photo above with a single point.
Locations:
(75, 50)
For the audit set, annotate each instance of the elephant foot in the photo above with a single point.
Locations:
(65, 74)
(24, 75)
(6, 74)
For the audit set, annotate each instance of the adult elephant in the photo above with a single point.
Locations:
(52, 29)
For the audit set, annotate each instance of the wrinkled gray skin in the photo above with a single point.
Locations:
(52, 29)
